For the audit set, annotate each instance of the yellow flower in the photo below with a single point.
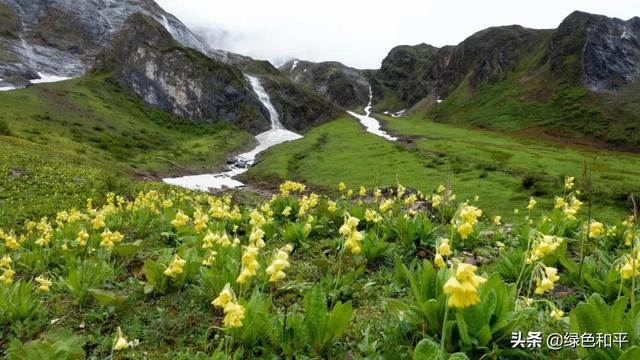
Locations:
(342, 186)
(121, 342)
(556, 314)
(98, 221)
(444, 248)
(201, 220)
(331, 206)
(362, 191)
(439, 261)
(180, 220)
(441, 189)
(287, 211)
(45, 284)
(109, 239)
(257, 219)
(595, 229)
(6, 262)
(544, 245)
(532, 203)
(568, 182)
(468, 214)
(233, 315)
(176, 267)
(280, 263)
(210, 259)
(465, 230)
(462, 287)
(82, 238)
(167, 203)
(226, 296)
(377, 194)
(626, 267)
(559, 202)
(497, 220)
(386, 205)
(257, 237)
(546, 279)
(7, 277)
(500, 245)
(250, 264)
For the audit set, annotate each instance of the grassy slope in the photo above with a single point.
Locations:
(91, 118)
(503, 170)
(76, 139)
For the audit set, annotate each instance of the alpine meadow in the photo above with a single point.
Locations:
(164, 199)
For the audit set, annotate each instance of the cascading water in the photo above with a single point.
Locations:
(241, 163)
(372, 125)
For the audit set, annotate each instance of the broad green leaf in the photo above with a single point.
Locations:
(427, 349)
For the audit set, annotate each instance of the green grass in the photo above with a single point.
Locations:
(96, 120)
(504, 170)
(62, 143)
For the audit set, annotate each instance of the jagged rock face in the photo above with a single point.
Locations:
(347, 87)
(410, 71)
(601, 52)
(299, 109)
(146, 59)
(61, 37)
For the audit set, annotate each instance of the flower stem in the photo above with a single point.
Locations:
(443, 336)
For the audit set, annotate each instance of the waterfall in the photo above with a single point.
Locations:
(241, 163)
(266, 102)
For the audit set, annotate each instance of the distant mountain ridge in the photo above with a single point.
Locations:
(579, 80)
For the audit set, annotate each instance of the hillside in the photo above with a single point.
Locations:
(578, 80)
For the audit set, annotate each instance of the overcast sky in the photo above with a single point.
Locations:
(359, 33)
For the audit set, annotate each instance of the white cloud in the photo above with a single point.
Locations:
(360, 33)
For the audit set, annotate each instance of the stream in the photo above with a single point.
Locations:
(372, 125)
(241, 163)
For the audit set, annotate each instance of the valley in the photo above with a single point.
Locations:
(164, 199)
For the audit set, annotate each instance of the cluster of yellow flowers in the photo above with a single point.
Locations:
(44, 283)
(10, 240)
(180, 220)
(595, 229)
(233, 312)
(279, 264)
(443, 249)
(7, 270)
(307, 203)
(372, 216)
(176, 267)
(250, 264)
(543, 245)
(630, 232)
(466, 217)
(626, 266)
(571, 208)
(462, 286)
(442, 197)
(546, 276)
(216, 238)
(46, 231)
(291, 186)
(109, 239)
(200, 220)
(350, 231)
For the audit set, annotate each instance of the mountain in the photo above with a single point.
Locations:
(63, 37)
(578, 80)
(146, 59)
(344, 86)
(151, 53)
